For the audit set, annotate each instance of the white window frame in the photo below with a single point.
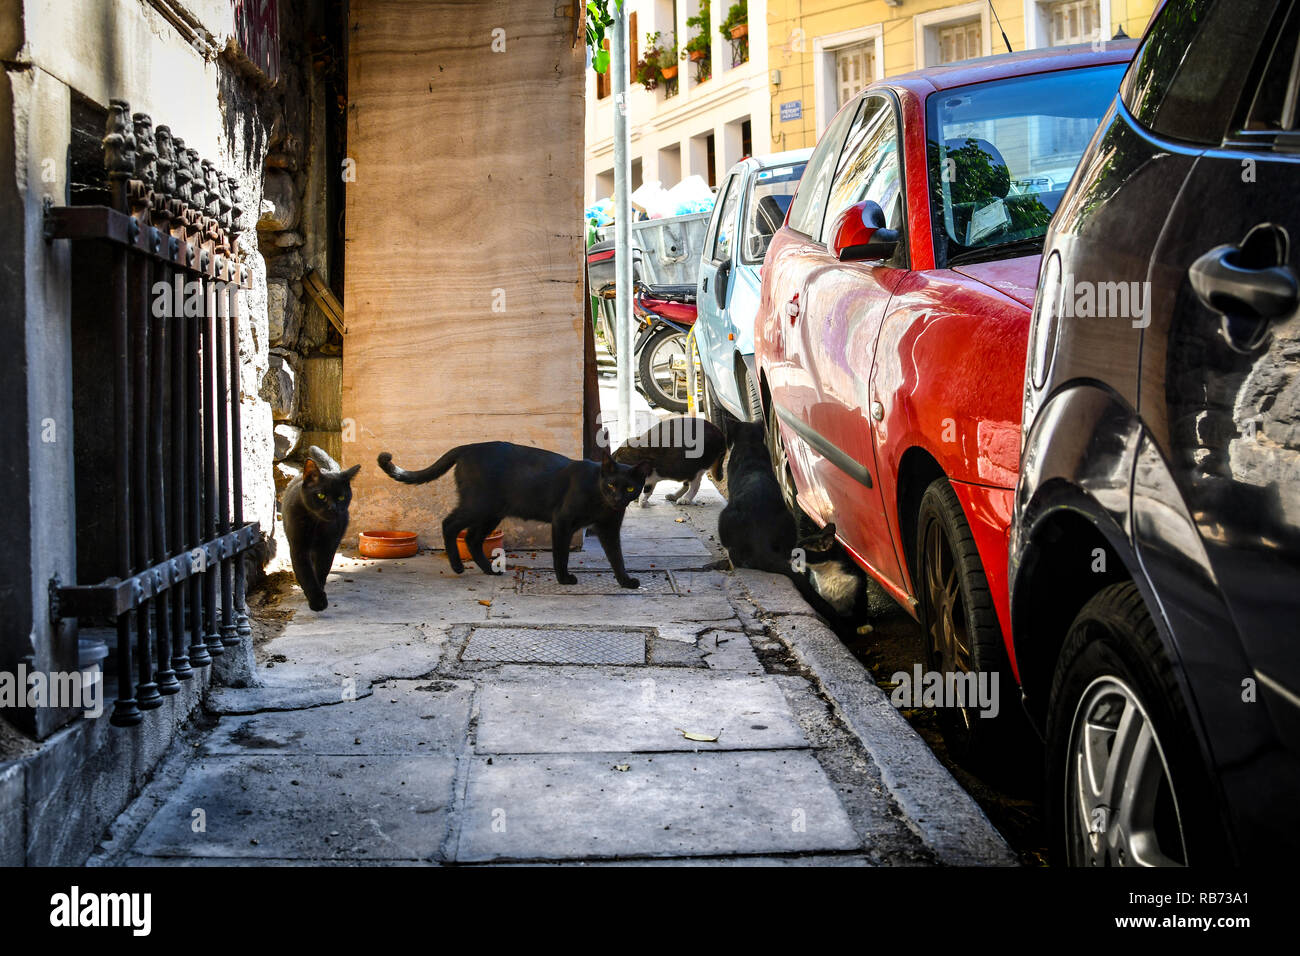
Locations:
(824, 49)
(931, 20)
(1036, 30)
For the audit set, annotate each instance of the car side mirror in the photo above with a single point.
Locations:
(859, 233)
(721, 282)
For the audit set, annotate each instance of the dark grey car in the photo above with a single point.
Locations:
(1155, 554)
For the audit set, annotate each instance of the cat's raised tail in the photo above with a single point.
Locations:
(433, 472)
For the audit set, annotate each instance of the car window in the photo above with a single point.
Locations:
(1188, 75)
(726, 235)
(869, 166)
(1000, 155)
(719, 201)
(810, 201)
(1274, 107)
(769, 199)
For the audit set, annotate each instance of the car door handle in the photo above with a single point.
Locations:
(1228, 287)
(792, 308)
(704, 286)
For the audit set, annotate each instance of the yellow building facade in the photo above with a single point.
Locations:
(822, 52)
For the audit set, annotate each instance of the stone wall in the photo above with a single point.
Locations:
(295, 232)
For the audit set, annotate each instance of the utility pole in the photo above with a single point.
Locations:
(619, 67)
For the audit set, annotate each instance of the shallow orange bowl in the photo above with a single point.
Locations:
(497, 539)
(387, 544)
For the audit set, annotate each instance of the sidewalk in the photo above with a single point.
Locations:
(514, 719)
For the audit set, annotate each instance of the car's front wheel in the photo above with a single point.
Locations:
(963, 638)
(1126, 786)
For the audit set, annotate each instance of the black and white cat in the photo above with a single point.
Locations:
(678, 449)
(315, 512)
(497, 479)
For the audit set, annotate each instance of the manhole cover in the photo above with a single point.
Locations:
(539, 645)
(537, 581)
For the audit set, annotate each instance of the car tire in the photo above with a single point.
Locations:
(804, 525)
(748, 392)
(959, 623)
(650, 385)
(1115, 698)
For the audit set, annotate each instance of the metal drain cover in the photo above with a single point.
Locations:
(541, 645)
(537, 581)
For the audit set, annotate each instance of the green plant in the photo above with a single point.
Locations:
(599, 20)
(699, 42)
(737, 15)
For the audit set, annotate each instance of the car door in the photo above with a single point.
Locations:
(838, 323)
(1220, 387)
(713, 289)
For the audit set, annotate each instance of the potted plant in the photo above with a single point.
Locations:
(647, 71)
(697, 47)
(737, 23)
(667, 57)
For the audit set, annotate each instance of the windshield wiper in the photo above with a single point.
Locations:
(1001, 250)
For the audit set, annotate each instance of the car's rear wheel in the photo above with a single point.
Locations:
(1126, 785)
(960, 625)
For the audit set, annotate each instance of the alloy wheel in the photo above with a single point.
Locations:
(949, 624)
(1120, 804)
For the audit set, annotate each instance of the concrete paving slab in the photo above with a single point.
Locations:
(306, 807)
(558, 710)
(399, 717)
(556, 806)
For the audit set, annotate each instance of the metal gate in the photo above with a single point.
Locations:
(178, 595)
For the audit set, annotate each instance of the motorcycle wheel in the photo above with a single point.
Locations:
(662, 370)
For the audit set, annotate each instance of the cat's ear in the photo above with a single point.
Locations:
(322, 458)
(829, 529)
(606, 463)
(350, 473)
(643, 468)
(310, 470)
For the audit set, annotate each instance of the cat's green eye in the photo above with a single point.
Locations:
(340, 497)
(320, 495)
(631, 488)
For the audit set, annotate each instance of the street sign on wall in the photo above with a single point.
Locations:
(257, 31)
(792, 110)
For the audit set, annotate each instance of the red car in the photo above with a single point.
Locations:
(891, 337)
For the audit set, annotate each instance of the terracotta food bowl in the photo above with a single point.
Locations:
(387, 544)
(493, 541)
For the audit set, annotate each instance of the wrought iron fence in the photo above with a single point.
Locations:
(178, 595)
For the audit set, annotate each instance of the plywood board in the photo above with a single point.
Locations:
(463, 273)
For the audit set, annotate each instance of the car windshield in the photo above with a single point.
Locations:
(1001, 154)
(769, 199)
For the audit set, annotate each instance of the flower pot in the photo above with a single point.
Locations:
(698, 55)
(739, 31)
(493, 541)
(387, 544)
(669, 72)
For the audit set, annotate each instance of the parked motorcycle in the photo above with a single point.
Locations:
(664, 316)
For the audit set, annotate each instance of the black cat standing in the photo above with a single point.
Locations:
(315, 512)
(497, 479)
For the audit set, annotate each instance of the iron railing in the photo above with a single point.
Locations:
(178, 595)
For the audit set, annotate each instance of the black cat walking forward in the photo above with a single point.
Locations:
(315, 512)
(497, 479)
